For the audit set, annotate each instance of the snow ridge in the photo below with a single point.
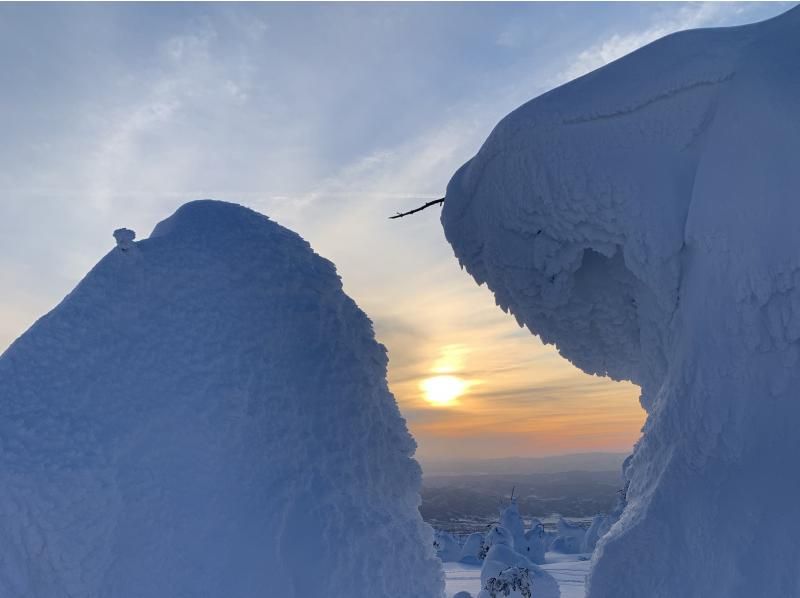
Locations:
(666, 95)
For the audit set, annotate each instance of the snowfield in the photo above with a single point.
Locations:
(513, 561)
(644, 219)
(207, 415)
(568, 570)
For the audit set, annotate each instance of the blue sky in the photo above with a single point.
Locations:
(328, 118)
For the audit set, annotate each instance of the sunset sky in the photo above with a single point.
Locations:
(327, 118)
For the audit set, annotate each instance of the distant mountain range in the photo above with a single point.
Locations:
(463, 495)
(524, 465)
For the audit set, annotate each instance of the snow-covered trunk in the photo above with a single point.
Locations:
(643, 218)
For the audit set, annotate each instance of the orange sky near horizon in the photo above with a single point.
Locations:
(521, 398)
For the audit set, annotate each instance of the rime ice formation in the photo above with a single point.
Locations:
(447, 547)
(601, 524)
(570, 538)
(536, 542)
(644, 219)
(529, 544)
(472, 551)
(596, 531)
(207, 415)
(511, 520)
(503, 561)
(124, 238)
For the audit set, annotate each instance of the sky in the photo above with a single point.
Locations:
(328, 118)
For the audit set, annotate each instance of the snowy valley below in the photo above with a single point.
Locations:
(466, 503)
(522, 557)
(458, 505)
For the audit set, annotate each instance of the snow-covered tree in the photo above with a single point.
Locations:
(474, 550)
(206, 414)
(519, 571)
(509, 582)
(643, 218)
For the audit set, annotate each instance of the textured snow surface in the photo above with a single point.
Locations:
(644, 219)
(568, 571)
(569, 539)
(501, 556)
(207, 415)
(532, 542)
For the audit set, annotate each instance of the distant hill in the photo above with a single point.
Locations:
(524, 465)
(463, 495)
(478, 497)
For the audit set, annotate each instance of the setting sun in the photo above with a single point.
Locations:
(442, 391)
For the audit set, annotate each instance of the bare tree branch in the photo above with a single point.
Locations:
(440, 201)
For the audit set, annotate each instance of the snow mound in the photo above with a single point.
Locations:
(124, 238)
(537, 541)
(509, 573)
(447, 546)
(569, 539)
(207, 415)
(472, 552)
(597, 530)
(529, 543)
(643, 218)
(511, 520)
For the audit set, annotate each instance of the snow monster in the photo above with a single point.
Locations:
(206, 415)
(644, 219)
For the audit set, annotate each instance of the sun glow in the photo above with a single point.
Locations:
(442, 391)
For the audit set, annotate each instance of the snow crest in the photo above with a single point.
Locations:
(644, 219)
(207, 416)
